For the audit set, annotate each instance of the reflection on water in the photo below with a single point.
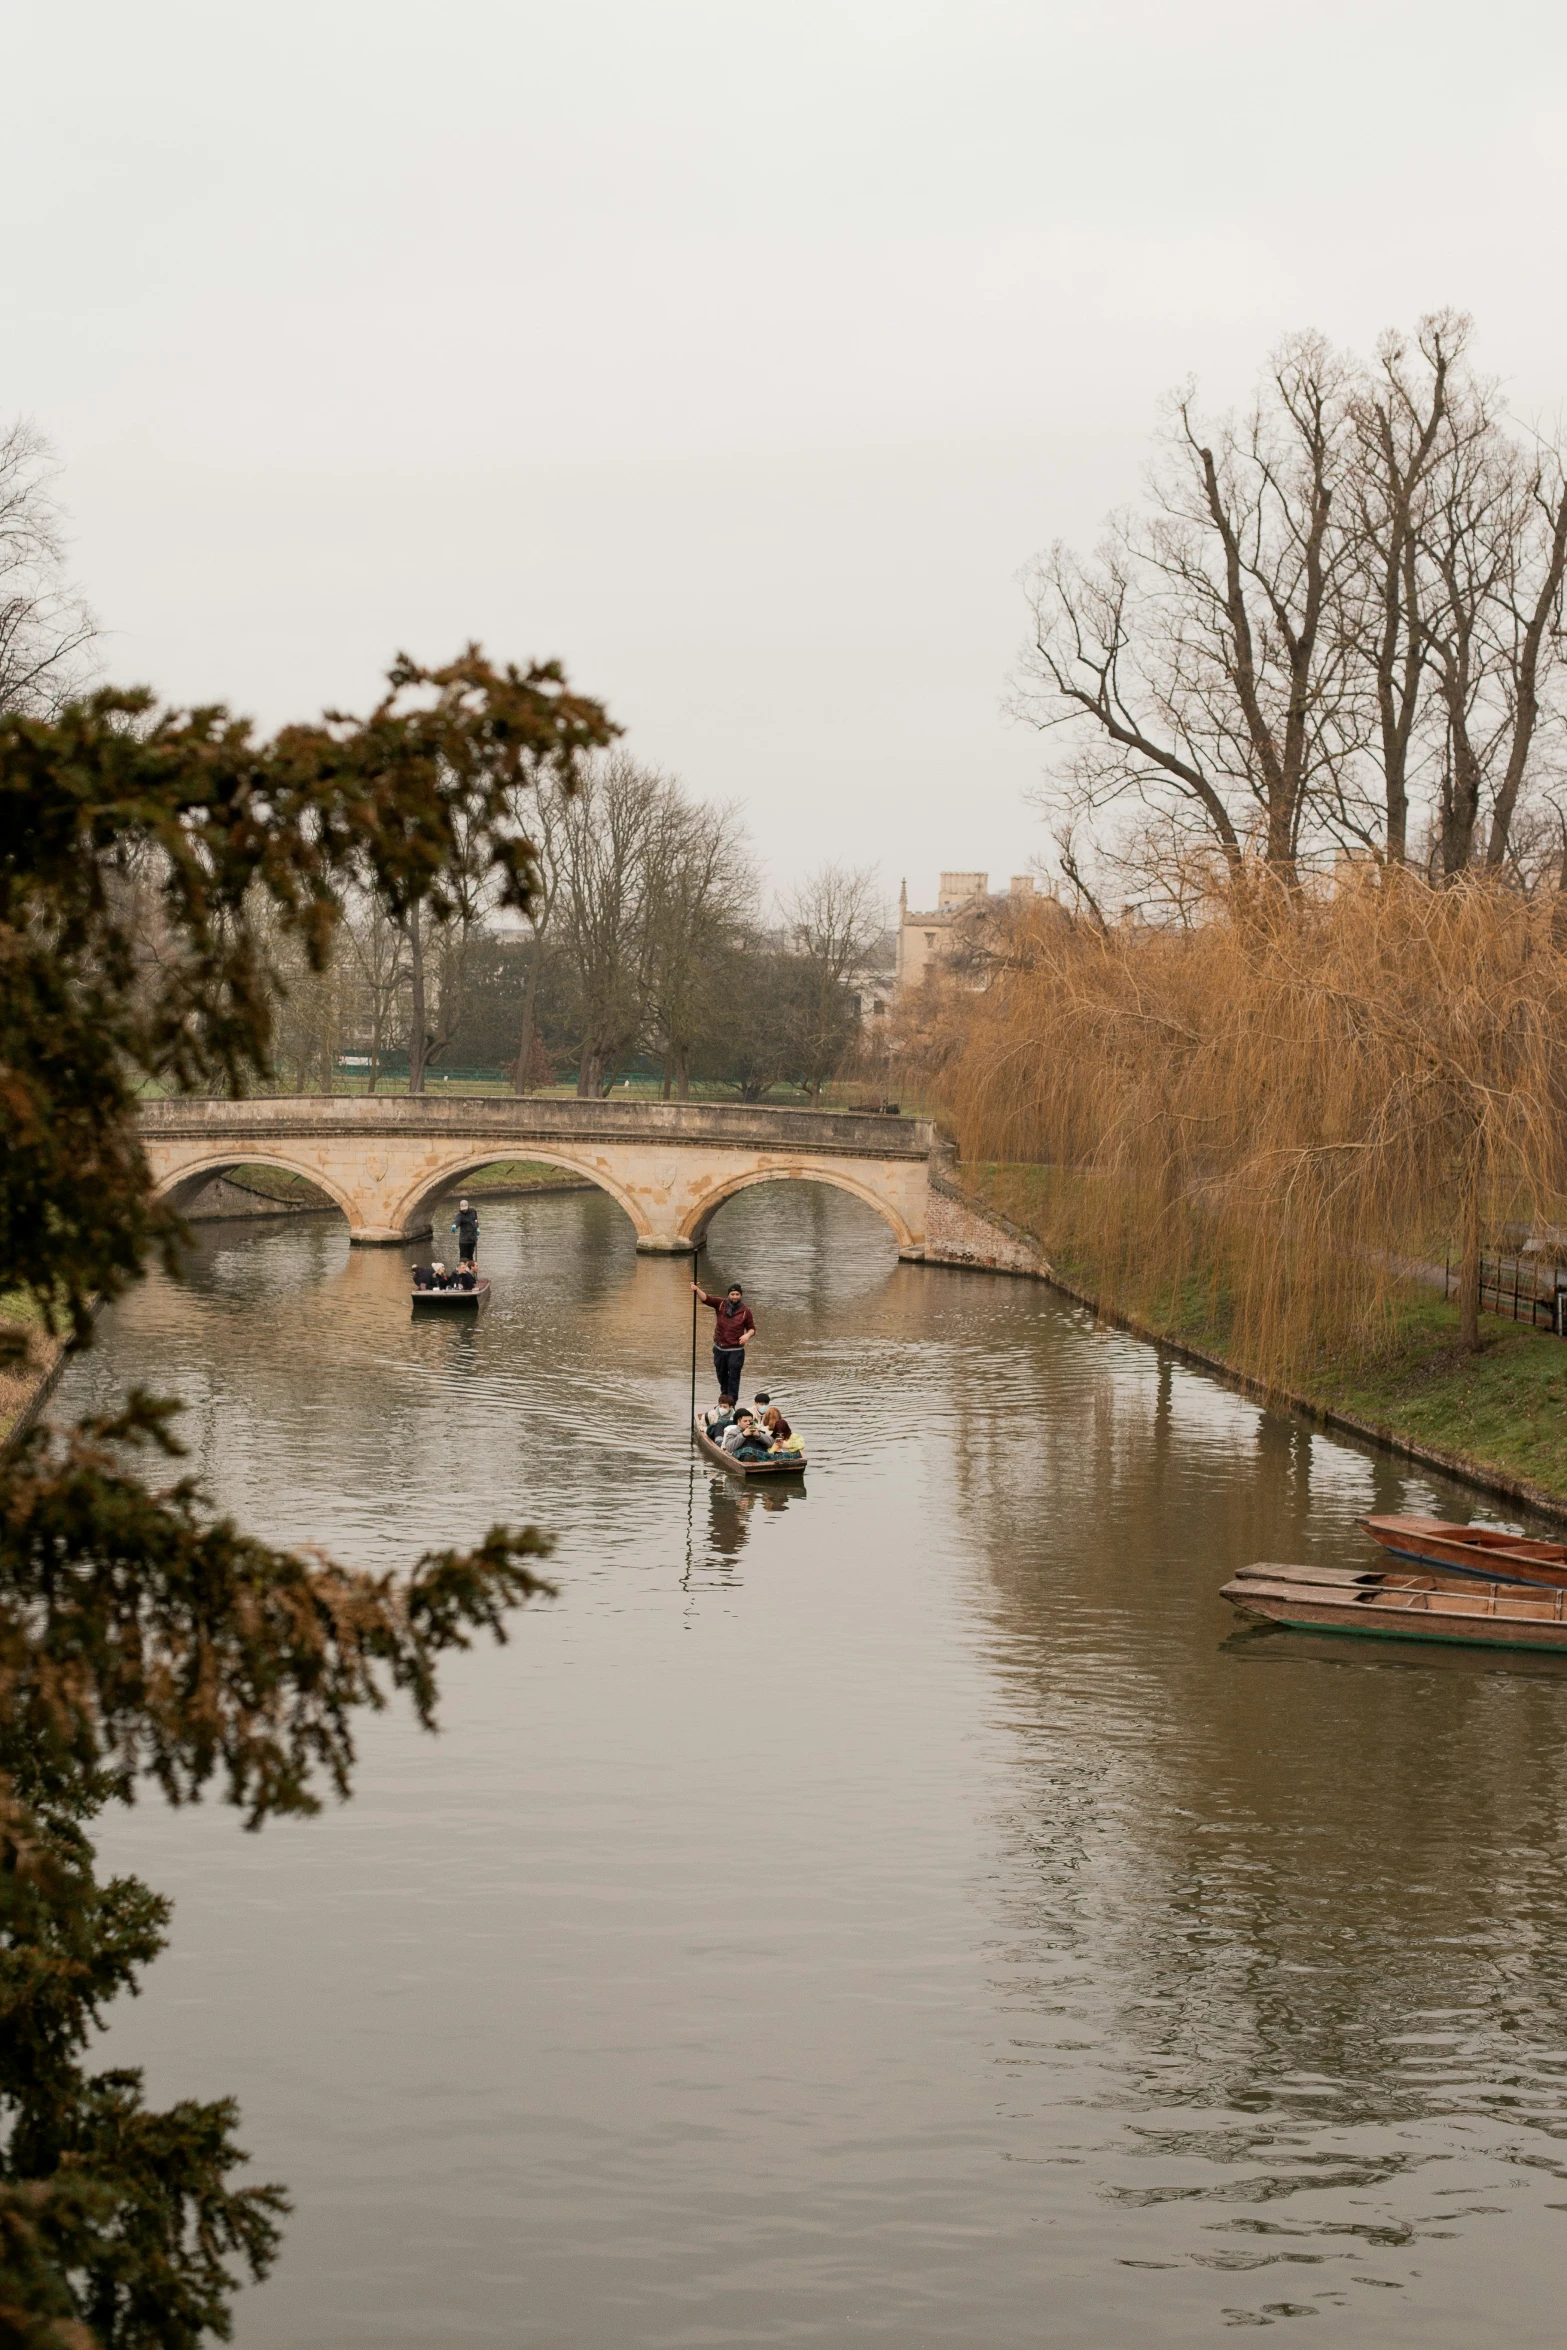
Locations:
(900, 1907)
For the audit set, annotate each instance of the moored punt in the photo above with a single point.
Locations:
(446, 1299)
(1402, 1606)
(785, 1465)
(1471, 1550)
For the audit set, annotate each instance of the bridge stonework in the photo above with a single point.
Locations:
(387, 1159)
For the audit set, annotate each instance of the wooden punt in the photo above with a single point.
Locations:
(1471, 1550)
(789, 1465)
(452, 1300)
(1459, 1611)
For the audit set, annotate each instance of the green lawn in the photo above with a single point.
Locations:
(19, 1378)
(1505, 1407)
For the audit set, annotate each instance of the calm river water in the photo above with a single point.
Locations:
(905, 1911)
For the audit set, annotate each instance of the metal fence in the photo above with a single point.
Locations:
(1532, 1293)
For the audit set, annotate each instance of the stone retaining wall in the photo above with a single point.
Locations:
(957, 1234)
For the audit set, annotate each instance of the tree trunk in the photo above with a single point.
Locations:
(418, 1034)
(683, 1075)
(530, 994)
(590, 1075)
(1460, 809)
(1469, 1270)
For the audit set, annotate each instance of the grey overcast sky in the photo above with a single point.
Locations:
(740, 355)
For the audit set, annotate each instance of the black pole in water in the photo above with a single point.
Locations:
(696, 1259)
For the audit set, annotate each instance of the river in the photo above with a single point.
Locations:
(905, 1911)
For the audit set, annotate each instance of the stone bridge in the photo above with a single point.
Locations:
(387, 1159)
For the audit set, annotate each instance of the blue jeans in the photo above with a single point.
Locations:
(729, 1369)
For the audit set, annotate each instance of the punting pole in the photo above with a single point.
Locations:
(695, 1261)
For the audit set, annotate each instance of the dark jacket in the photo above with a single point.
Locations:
(467, 1229)
(733, 1323)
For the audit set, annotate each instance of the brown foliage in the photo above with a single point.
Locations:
(1299, 1094)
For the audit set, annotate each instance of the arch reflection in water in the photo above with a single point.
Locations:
(916, 1903)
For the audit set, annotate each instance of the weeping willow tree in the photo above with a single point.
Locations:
(1304, 1095)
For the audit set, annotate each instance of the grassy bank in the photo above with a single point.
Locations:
(505, 1178)
(1501, 1411)
(22, 1379)
(500, 1179)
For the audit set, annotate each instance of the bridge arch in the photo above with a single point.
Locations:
(191, 1177)
(694, 1229)
(413, 1210)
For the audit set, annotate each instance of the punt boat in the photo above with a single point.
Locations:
(1457, 1609)
(452, 1300)
(786, 1465)
(1471, 1550)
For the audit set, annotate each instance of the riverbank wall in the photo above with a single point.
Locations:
(962, 1232)
(27, 1384)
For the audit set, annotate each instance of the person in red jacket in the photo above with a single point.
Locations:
(732, 1327)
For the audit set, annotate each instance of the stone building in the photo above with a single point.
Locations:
(875, 982)
(962, 902)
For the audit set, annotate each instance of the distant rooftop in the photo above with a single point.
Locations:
(961, 889)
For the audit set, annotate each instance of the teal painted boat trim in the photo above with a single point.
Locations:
(1443, 1639)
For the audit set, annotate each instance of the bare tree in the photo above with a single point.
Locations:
(1196, 658)
(440, 952)
(377, 950)
(440, 943)
(832, 921)
(1338, 616)
(1495, 544)
(701, 892)
(606, 833)
(549, 839)
(1420, 412)
(45, 628)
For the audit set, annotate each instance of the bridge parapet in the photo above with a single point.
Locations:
(527, 1117)
(386, 1159)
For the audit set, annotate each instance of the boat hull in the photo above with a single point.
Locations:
(450, 1301)
(791, 1466)
(1493, 1558)
(1432, 1608)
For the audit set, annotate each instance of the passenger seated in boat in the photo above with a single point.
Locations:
(424, 1276)
(739, 1429)
(718, 1417)
(464, 1278)
(754, 1443)
(780, 1436)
